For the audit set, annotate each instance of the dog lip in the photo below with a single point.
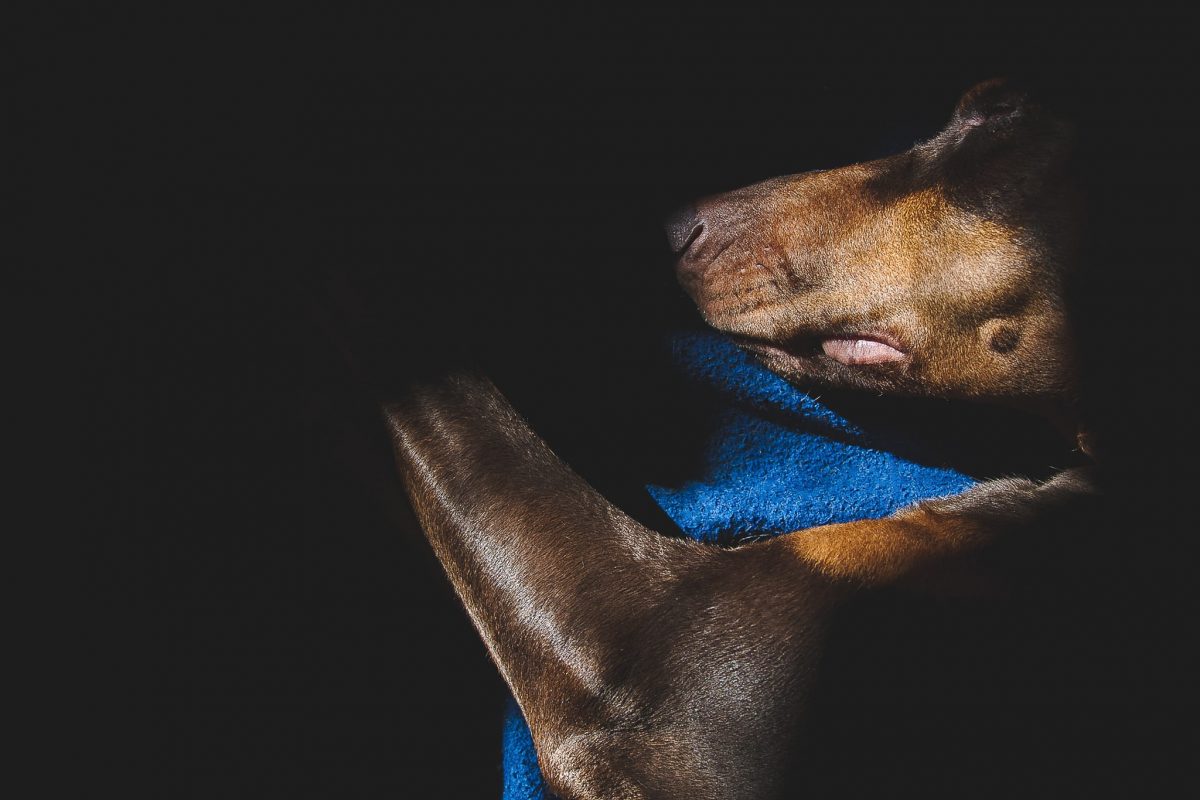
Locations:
(796, 347)
(692, 264)
(881, 337)
(861, 350)
(811, 344)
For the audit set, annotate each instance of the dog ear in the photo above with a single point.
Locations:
(990, 102)
(1002, 144)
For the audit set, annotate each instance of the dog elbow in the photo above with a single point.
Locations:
(581, 766)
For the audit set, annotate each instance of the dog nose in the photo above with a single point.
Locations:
(683, 227)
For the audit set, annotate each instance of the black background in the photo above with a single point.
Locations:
(256, 225)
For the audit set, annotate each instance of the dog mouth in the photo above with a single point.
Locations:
(850, 349)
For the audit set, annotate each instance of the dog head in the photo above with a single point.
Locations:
(938, 272)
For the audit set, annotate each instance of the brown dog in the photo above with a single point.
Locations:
(937, 272)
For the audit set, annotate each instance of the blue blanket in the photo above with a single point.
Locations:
(778, 459)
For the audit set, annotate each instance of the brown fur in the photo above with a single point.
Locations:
(655, 667)
(964, 269)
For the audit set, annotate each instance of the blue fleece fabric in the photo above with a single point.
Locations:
(778, 460)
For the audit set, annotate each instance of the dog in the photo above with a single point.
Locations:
(939, 272)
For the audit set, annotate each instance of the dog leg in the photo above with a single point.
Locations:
(646, 666)
(606, 632)
(880, 552)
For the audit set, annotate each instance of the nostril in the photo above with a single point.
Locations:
(695, 234)
(683, 227)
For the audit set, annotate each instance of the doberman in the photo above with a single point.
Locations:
(937, 272)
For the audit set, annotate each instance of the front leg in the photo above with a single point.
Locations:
(543, 564)
(604, 630)
(932, 532)
(648, 666)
